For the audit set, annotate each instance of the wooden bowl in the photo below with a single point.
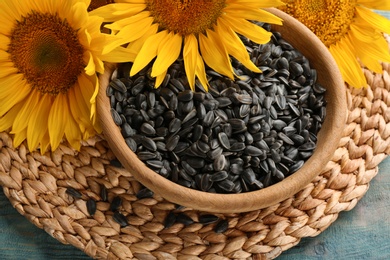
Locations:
(328, 138)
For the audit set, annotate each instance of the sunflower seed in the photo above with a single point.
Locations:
(120, 219)
(115, 203)
(144, 193)
(73, 192)
(91, 207)
(207, 219)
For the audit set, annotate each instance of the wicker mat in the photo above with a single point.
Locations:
(36, 186)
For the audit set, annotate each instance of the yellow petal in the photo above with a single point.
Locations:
(214, 54)
(234, 46)
(72, 133)
(4, 42)
(248, 29)
(9, 97)
(190, 55)
(120, 54)
(58, 118)
(136, 45)
(130, 21)
(372, 53)
(256, 3)
(159, 79)
(375, 20)
(201, 72)
(168, 51)
(23, 117)
(249, 13)
(116, 11)
(90, 68)
(147, 52)
(348, 65)
(7, 120)
(6, 69)
(376, 4)
(19, 137)
(37, 124)
(79, 108)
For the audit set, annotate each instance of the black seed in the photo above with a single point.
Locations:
(184, 219)
(222, 226)
(219, 176)
(226, 185)
(115, 203)
(174, 125)
(147, 129)
(253, 150)
(73, 192)
(149, 144)
(120, 219)
(185, 95)
(207, 219)
(144, 193)
(103, 193)
(172, 142)
(155, 164)
(91, 207)
(219, 162)
(236, 147)
(118, 85)
(131, 144)
(224, 140)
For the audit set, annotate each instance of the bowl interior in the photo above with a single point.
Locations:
(328, 137)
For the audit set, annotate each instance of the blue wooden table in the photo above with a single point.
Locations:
(362, 233)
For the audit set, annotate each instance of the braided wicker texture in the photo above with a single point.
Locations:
(36, 186)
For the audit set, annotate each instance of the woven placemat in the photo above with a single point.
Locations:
(36, 186)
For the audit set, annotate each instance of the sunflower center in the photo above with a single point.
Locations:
(186, 17)
(328, 19)
(46, 50)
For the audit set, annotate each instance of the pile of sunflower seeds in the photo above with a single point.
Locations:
(238, 136)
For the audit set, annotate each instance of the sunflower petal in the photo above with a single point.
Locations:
(248, 13)
(116, 11)
(248, 29)
(375, 20)
(136, 45)
(168, 51)
(147, 52)
(376, 4)
(159, 79)
(37, 124)
(58, 116)
(214, 54)
(234, 46)
(7, 120)
(348, 65)
(72, 133)
(201, 72)
(119, 54)
(190, 55)
(372, 53)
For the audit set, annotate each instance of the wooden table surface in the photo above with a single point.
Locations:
(362, 233)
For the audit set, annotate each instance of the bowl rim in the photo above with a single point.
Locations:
(243, 202)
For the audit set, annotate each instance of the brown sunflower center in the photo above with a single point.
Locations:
(328, 19)
(98, 3)
(47, 51)
(185, 16)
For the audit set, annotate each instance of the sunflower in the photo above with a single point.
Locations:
(202, 31)
(50, 54)
(351, 31)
